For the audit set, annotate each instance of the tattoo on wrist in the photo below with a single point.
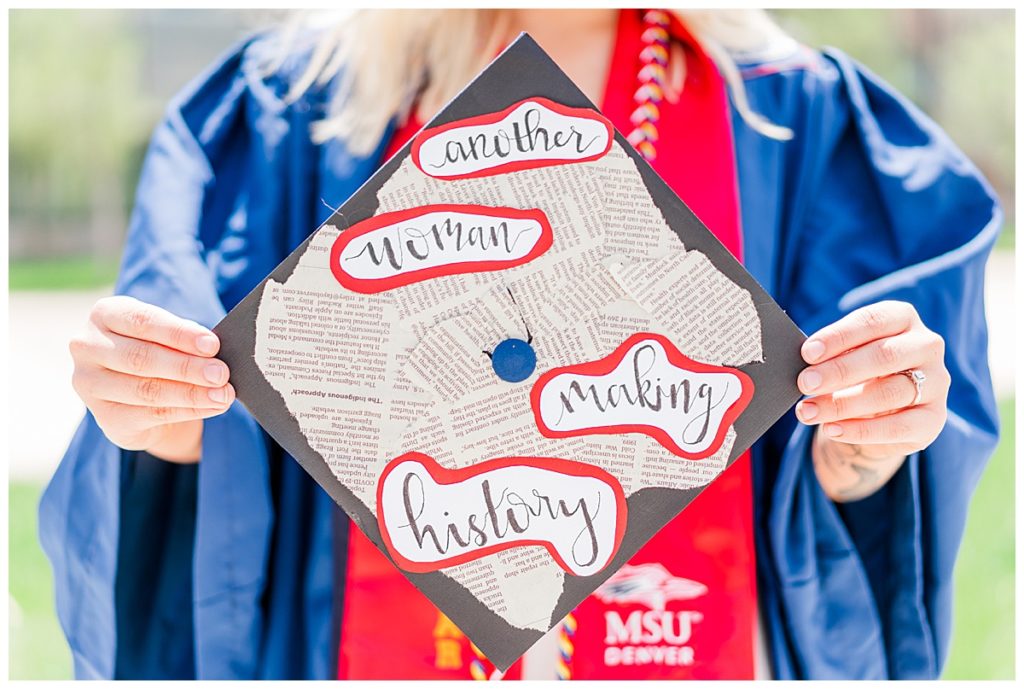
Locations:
(847, 473)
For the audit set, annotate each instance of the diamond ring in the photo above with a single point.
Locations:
(918, 378)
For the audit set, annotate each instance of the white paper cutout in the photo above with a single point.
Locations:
(432, 518)
(533, 133)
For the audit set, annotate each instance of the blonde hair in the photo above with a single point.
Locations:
(390, 59)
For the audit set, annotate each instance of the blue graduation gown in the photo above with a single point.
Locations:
(225, 569)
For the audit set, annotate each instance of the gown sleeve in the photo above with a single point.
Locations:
(885, 208)
(156, 553)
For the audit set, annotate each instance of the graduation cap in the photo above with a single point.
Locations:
(513, 355)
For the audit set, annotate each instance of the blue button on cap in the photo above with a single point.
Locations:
(513, 360)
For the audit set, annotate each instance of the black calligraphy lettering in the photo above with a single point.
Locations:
(524, 135)
(450, 237)
(386, 250)
(504, 518)
(492, 512)
(418, 534)
(694, 400)
(588, 528)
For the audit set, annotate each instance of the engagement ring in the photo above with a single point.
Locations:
(917, 378)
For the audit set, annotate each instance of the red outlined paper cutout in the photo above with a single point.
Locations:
(550, 476)
(613, 364)
(449, 133)
(385, 226)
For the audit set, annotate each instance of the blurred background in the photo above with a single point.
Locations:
(88, 86)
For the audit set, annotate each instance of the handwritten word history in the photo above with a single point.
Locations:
(432, 517)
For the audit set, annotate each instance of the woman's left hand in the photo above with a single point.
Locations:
(864, 398)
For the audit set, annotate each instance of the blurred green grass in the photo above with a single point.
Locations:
(984, 603)
(983, 626)
(76, 272)
(37, 647)
(1007, 239)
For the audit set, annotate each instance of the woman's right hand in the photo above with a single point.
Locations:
(149, 377)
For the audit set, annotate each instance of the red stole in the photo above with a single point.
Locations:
(702, 628)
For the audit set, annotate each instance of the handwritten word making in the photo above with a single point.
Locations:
(645, 386)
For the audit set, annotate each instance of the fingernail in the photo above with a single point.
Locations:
(833, 430)
(807, 410)
(214, 373)
(218, 395)
(810, 380)
(207, 344)
(812, 350)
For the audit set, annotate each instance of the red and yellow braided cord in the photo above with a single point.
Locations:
(566, 648)
(652, 76)
(478, 665)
